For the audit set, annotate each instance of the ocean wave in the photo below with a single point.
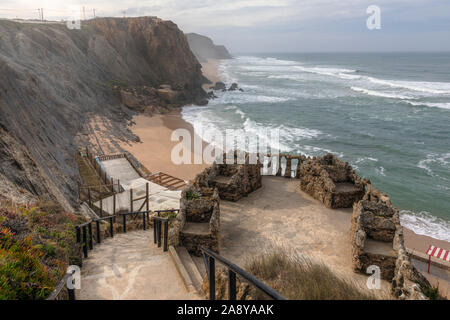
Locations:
(249, 98)
(339, 72)
(241, 113)
(443, 105)
(426, 224)
(380, 94)
(442, 160)
(428, 87)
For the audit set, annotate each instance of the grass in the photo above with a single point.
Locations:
(37, 244)
(299, 278)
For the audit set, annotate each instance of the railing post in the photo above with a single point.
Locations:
(77, 229)
(84, 244)
(212, 279)
(111, 226)
(231, 285)
(155, 230)
(143, 220)
(159, 233)
(99, 238)
(114, 204)
(89, 196)
(131, 200)
(166, 231)
(124, 217)
(91, 246)
(101, 207)
(147, 191)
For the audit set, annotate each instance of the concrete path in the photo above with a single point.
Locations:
(131, 267)
(281, 214)
(120, 169)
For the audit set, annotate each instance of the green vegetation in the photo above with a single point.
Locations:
(192, 195)
(299, 278)
(37, 244)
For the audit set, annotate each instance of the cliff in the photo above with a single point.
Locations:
(204, 48)
(53, 80)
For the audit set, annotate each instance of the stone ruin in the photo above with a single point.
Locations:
(290, 167)
(331, 181)
(377, 239)
(197, 224)
(233, 181)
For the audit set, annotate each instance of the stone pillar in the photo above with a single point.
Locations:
(279, 166)
(287, 173)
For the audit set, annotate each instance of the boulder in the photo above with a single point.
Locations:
(233, 87)
(219, 86)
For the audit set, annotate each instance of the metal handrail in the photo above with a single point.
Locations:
(60, 286)
(210, 257)
(158, 221)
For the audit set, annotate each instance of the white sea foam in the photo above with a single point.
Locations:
(380, 94)
(241, 113)
(426, 224)
(338, 72)
(442, 160)
(443, 105)
(428, 87)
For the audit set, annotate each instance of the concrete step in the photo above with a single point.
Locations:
(196, 228)
(187, 269)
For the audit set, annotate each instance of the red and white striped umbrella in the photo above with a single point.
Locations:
(439, 253)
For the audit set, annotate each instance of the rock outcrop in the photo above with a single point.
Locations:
(53, 80)
(204, 48)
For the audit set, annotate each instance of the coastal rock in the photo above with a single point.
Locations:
(219, 86)
(233, 87)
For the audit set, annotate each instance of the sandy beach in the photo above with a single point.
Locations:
(209, 69)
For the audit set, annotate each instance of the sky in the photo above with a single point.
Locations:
(245, 26)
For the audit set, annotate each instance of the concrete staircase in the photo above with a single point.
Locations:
(130, 267)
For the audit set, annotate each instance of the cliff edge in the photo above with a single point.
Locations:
(204, 48)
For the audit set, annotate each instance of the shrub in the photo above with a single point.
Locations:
(299, 278)
(37, 244)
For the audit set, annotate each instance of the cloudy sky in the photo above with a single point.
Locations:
(277, 26)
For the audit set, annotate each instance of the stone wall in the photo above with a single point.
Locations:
(233, 181)
(199, 207)
(331, 181)
(374, 217)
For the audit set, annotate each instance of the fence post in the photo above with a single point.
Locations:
(147, 191)
(155, 230)
(143, 220)
(99, 238)
(131, 200)
(231, 285)
(91, 245)
(114, 204)
(78, 234)
(166, 231)
(85, 244)
(159, 233)
(111, 226)
(212, 279)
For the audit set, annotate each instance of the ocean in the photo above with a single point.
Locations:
(387, 114)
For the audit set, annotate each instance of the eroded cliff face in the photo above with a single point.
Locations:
(204, 48)
(53, 80)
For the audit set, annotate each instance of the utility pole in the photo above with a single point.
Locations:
(94, 12)
(39, 11)
(42, 13)
(84, 13)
